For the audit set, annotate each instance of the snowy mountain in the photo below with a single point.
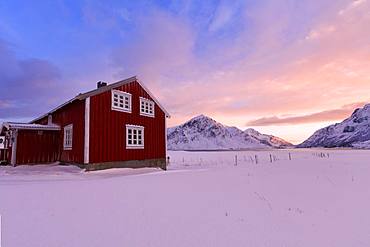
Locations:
(352, 132)
(204, 133)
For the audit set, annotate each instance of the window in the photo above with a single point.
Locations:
(134, 136)
(68, 135)
(121, 101)
(146, 107)
(2, 142)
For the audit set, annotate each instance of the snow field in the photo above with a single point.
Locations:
(307, 201)
(185, 159)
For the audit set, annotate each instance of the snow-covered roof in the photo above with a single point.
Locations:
(11, 125)
(100, 90)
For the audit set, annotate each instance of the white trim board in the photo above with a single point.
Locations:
(13, 161)
(87, 132)
(153, 98)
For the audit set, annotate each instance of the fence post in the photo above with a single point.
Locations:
(256, 158)
(270, 158)
(236, 160)
(290, 156)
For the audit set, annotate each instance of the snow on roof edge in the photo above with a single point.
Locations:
(12, 125)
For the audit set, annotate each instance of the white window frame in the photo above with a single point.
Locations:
(150, 112)
(130, 136)
(125, 95)
(2, 142)
(68, 138)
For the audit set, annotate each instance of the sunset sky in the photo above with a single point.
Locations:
(283, 67)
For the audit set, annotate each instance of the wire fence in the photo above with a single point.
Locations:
(183, 159)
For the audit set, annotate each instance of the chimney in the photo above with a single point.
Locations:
(101, 84)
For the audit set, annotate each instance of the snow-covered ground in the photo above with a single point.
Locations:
(318, 198)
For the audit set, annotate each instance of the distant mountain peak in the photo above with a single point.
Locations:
(352, 132)
(201, 123)
(251, 131)
(204, 133)
(201, 118)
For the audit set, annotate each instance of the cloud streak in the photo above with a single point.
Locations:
(282, 55)
(329, 115)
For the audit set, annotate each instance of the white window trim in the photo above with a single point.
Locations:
(3, 142)
(65, 129)
(144, 100)
(136, 127)
(121, 93)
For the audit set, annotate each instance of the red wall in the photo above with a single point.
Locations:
(37, 146)
(73, 113)
(108, 128)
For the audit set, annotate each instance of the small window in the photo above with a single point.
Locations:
(134, 136)
(121, 101)
(146, 107)
(2, 142)
(68, 136)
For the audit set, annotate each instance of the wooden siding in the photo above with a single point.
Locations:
(73, 113)
(108, 128)
(35, 146)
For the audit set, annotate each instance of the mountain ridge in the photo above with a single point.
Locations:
(204, 133)
(353, 132)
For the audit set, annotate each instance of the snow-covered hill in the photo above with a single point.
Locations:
(352, 132)
(204, 133)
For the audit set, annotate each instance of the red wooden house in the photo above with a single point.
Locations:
(115, 125)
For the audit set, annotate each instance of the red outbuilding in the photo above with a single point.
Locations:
(116, 125)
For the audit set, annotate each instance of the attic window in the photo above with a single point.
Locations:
(146, 107)
(68, 137)
(134, 137)
(121, 101)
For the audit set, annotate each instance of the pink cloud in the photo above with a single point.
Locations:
(322, 67)
(329, 115)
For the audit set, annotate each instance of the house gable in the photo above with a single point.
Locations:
(101, 90)
(108, 127)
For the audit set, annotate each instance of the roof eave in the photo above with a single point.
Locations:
(97, 91)
(106, 88)
(154, 98)
(12, 126)
(54, 110)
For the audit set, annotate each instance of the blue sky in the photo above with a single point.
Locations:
(241, 62)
